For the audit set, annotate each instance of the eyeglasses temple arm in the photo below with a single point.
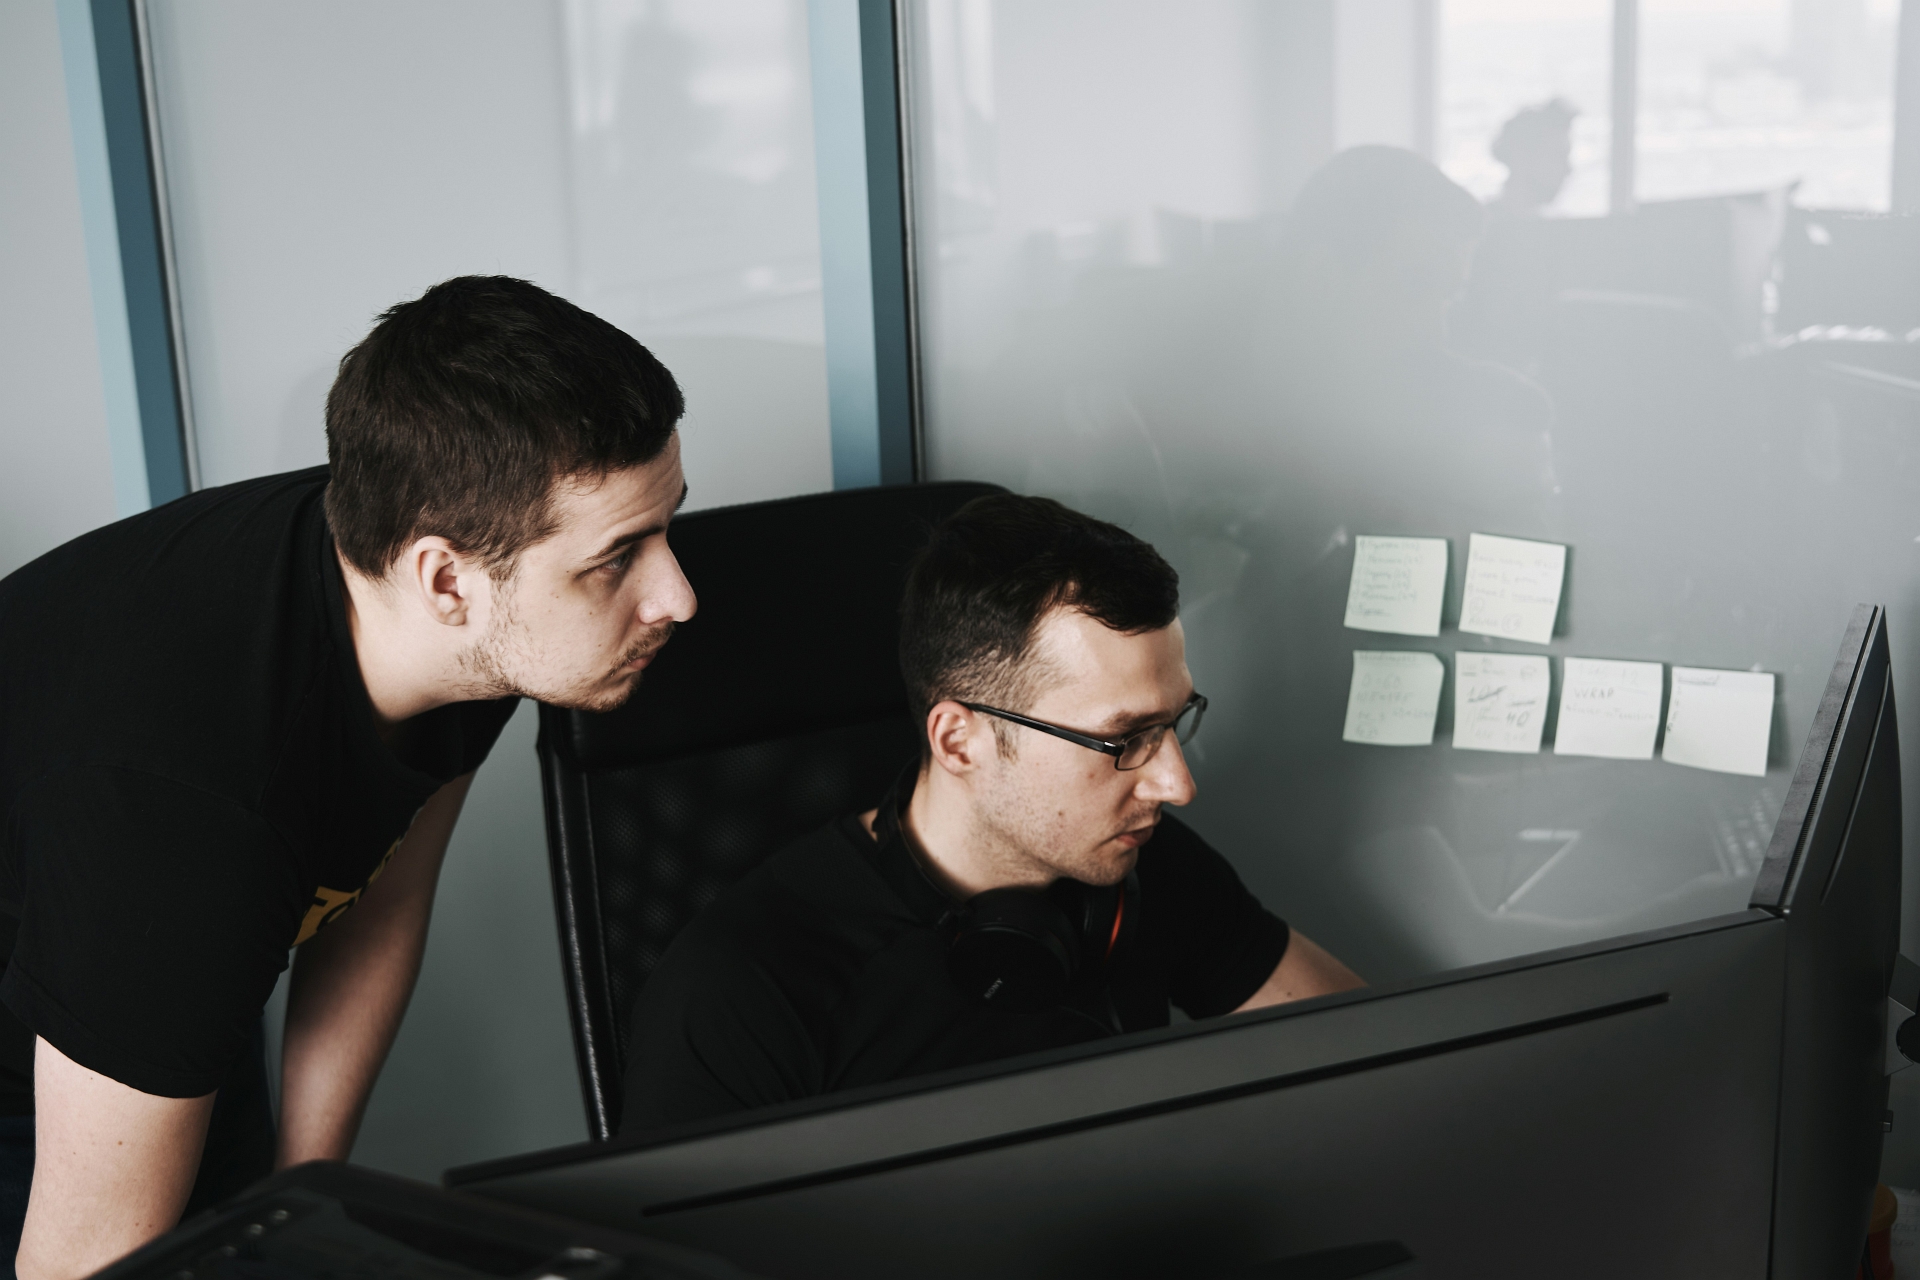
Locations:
(1079, 739)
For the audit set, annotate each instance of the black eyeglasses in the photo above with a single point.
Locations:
(1129, 752)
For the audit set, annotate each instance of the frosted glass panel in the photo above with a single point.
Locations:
(1498, 58)
(693, 148)
(324, 162)
(1756, 93)
(1150, 289)
(653, 162)
(696, 224)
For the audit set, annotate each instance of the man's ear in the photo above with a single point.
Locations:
(448, 584)
(960, 740)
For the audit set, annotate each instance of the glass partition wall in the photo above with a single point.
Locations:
(654, 162)
(1191, 267)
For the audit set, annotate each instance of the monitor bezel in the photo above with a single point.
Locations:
(582, 1153)
(1825, 777)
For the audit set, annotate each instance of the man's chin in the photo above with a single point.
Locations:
(1108, 869)
(606, 697)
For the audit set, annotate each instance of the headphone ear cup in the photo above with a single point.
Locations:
(1013, 949)
(1090, 910)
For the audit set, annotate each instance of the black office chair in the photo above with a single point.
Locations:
(776, 709)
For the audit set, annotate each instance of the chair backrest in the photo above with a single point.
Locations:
(776, 709)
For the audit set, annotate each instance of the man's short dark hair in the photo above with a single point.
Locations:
(462, 410)
(977, 592)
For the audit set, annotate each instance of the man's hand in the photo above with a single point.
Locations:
(112, 1167)
(1307, 969)
(351, 983)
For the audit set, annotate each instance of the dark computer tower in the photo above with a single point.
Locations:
(324, 1220)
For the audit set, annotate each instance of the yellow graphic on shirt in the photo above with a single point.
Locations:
(330, 904)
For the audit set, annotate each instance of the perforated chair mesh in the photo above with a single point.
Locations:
(778, 708)
(668, 838)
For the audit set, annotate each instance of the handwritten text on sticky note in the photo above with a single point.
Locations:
(1499, 701)
(1512, 587)
(1720, 720)
(1394, 698)
(1609, 709)
(1398, 585)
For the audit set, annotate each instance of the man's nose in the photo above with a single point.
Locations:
(668, 594)
(1165, 778)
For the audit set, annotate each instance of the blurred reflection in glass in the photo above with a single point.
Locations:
(1536, 146)
(1152, 286)
(1501, 59)
(1745, 95)
(1504, 314)
(696, 222)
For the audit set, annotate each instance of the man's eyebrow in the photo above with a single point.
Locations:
(621, 543)
(626, 540)
(1122, 723)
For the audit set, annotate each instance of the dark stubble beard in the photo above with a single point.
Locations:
(650, 643)
(488, 663)
(1020, 822)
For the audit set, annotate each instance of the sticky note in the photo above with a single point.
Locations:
(1513, 587)
(1609, 709)
(1499, 701)
(1398, 585)
(1720, 720)
(1394, 698)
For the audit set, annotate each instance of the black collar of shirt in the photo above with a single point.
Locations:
(895, 860)
(425, 753)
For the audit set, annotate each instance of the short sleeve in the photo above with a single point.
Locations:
(1218, 943)
(154, 921)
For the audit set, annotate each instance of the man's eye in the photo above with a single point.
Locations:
(618, 565)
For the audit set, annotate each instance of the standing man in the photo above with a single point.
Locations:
(244, 723)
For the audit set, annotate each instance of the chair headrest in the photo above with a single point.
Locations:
(797, 628)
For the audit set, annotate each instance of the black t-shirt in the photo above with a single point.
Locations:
(191, 781)
(825, 969)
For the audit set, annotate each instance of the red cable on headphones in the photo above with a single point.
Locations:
(1119, 914)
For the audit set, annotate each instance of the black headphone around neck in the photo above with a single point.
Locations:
(1022, 950)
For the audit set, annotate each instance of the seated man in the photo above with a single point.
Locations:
(1020, 888)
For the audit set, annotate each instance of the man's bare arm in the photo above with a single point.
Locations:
(350, 986)
(1307, 969)
(112, 1167)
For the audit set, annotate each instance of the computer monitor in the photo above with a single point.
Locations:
(1701, 1100)
(1832, 875)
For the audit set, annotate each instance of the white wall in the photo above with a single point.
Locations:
(55, 475)
(327, 161)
